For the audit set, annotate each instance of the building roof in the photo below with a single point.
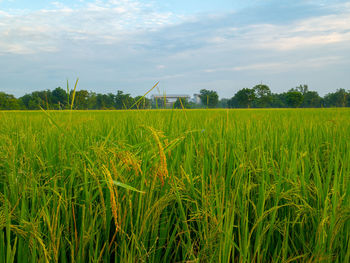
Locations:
(171, 96)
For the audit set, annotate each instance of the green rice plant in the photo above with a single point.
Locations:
(252, 185)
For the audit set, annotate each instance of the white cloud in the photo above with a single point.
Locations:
(305, 33)
(129, 44)
(280, 66)
(121, 21)
(45, 30)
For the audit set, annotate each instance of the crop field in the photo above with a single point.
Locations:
(175, 186)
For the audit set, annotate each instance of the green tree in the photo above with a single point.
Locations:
(59, 97)
(278, 100)
(37, 100)
(105, 101)
(223, 103)
(312, 100)
(9, 102)
(144, 103)
(184, 102)
(244, 98)
(209, 98)
(232, 102)
(303, 89)
(294, 98)
(25, 100)
(81, 100)
(337, 99)
(263, 96)
(123, 101)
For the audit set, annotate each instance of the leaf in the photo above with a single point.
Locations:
(144, 95)
(128, 187)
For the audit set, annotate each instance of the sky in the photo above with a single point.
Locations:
(186, 45)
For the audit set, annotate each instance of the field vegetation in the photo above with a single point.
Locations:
(252, 185)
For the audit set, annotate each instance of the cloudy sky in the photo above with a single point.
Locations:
(187, 45)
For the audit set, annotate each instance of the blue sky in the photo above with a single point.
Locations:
(186, 45)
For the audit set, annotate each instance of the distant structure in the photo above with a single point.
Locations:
(196, 99)
(169, 98)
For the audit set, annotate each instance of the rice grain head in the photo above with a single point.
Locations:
(114, 196)
(162, 171)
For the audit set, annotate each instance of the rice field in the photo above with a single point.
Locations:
(175, 186)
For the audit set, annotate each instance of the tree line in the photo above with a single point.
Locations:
(260, 96)
(60, 99)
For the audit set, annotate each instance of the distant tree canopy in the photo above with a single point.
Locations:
(182, 103)
(312, 100)
(59, 96)
(244, 98)
(58, 99)
(294, 98)
(259, 96)
(340, 98)
(82, 99)
(263, 96)
(209, 98)
(9, 102)
(142, 102)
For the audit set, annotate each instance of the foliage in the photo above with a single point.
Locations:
(263, 96)
(82, 99)
(260, 96)
(303, 89)
(209, 98)
(244, 98)
(312, 100)
(223, 103)
(340, 98)
(144, 103)
(294, 98)
(278, 100)
(181, 103)
(59, 97)
(8, 101)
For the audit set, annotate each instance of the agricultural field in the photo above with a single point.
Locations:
(175, 186)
